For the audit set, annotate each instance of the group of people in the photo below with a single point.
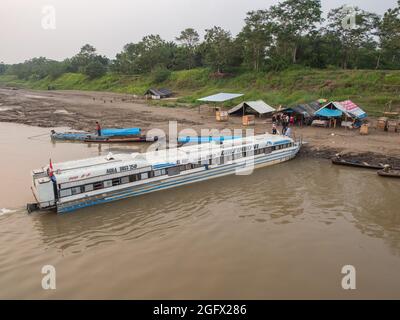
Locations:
(286, 122)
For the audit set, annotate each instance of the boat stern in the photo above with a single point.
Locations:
(43, 190)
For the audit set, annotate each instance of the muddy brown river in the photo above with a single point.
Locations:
(285, 231)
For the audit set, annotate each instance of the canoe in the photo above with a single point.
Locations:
(121, 140)
(356, 163)
(128, 135)
(390, 173)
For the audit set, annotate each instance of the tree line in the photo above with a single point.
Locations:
(290, 33)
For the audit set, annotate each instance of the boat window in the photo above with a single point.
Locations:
(65, 192)
(237, 156)
(116, 182)
(108, 183)
(134, 177)
(124, 180)
(228, 158)
(98, 185)
(76, 190)
(144, 175)
(173, 171)
(268, 150)
(88, 188)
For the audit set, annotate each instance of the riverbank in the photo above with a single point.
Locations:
(371, 89)
(80, 109)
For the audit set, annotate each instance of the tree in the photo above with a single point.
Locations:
(189, 39)
(389, 35)
(160, 74)
(3, 68)
(144, 56)
(352, 38)
(293, 19)
(255, 37)
(83, 58)
(219, 49)
(88, 56)
(95, 69)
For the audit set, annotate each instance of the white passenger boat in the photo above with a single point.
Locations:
(72, 185)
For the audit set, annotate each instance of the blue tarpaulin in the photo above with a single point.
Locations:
(120, 132)
(329, 113)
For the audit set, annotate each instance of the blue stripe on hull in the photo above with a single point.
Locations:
(203, 175)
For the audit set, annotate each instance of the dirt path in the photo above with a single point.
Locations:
(80, 109)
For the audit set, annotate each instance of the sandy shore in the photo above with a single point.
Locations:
(79, 110)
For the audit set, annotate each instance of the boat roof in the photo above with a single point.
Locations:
(119, 163)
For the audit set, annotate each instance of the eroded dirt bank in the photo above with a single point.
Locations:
(79, 110)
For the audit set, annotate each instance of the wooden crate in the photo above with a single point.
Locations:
(393, 125)
(364, 129)
(221, 116)
(249, 120)
(382, 123)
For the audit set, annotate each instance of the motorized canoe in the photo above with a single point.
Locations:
(142, 138)
(107, 136)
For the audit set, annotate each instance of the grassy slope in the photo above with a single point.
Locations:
(369, 88)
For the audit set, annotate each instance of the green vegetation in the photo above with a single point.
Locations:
(371, 89)
(284, 54)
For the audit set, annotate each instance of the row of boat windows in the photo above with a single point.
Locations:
(169, 171)
(124, 180)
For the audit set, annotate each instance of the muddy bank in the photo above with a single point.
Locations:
(79, 110)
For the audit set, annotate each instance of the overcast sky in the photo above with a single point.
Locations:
(110, 24)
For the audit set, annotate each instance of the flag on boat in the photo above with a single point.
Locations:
(50, 169)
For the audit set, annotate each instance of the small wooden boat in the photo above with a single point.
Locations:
(143, 138)
(356, 163)
(108, 136)
(389, 173)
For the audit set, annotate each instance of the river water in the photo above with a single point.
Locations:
(285, 231)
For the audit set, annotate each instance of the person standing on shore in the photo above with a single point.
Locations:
(288, 132)
(274, 130)
(284, 124)
(291, 121)
(98, 128)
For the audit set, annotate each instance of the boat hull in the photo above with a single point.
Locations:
(389, 174)
(356, 164)
(180, 180)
